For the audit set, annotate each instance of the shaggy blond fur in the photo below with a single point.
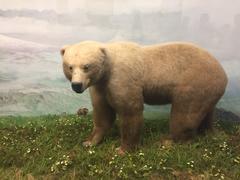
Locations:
(122, 76)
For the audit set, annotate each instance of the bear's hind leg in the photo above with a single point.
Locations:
(207, 122)
(185, 120)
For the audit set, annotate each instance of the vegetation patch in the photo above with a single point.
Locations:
(49, 147)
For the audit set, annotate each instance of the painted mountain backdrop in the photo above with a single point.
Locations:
(31, 34)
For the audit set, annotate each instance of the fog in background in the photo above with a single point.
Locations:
(32, 32)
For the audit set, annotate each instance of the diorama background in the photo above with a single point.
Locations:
(32, 32)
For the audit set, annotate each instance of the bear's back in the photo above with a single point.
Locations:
(181, 64)
(180, 57)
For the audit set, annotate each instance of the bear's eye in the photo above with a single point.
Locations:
(86, 67)
(70, 68)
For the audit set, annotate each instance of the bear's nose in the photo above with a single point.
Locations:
(77, 87)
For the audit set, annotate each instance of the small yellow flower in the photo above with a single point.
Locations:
(52, 169)
(91, 151)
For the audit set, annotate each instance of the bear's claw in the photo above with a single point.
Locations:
(87, 144)
(120, 151)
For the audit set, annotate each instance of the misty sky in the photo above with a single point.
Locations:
(221, 13)
(119, 5)
(84, 19)
(227, 9)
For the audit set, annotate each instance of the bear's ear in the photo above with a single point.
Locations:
(103, 50)
(63, 49)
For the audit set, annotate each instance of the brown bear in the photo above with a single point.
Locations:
(122, 76)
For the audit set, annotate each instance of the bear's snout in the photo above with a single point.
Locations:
(77, 87)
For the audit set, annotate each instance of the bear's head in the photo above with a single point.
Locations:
(84, 64)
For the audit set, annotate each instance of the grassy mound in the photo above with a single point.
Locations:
(49, 147)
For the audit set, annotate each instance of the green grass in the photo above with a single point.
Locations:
(49, 147)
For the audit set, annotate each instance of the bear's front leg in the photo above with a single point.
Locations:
(103, 118)
(131, 125)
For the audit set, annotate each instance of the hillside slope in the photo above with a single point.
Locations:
(10, 44)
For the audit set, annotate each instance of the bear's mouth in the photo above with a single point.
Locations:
(78, 91)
